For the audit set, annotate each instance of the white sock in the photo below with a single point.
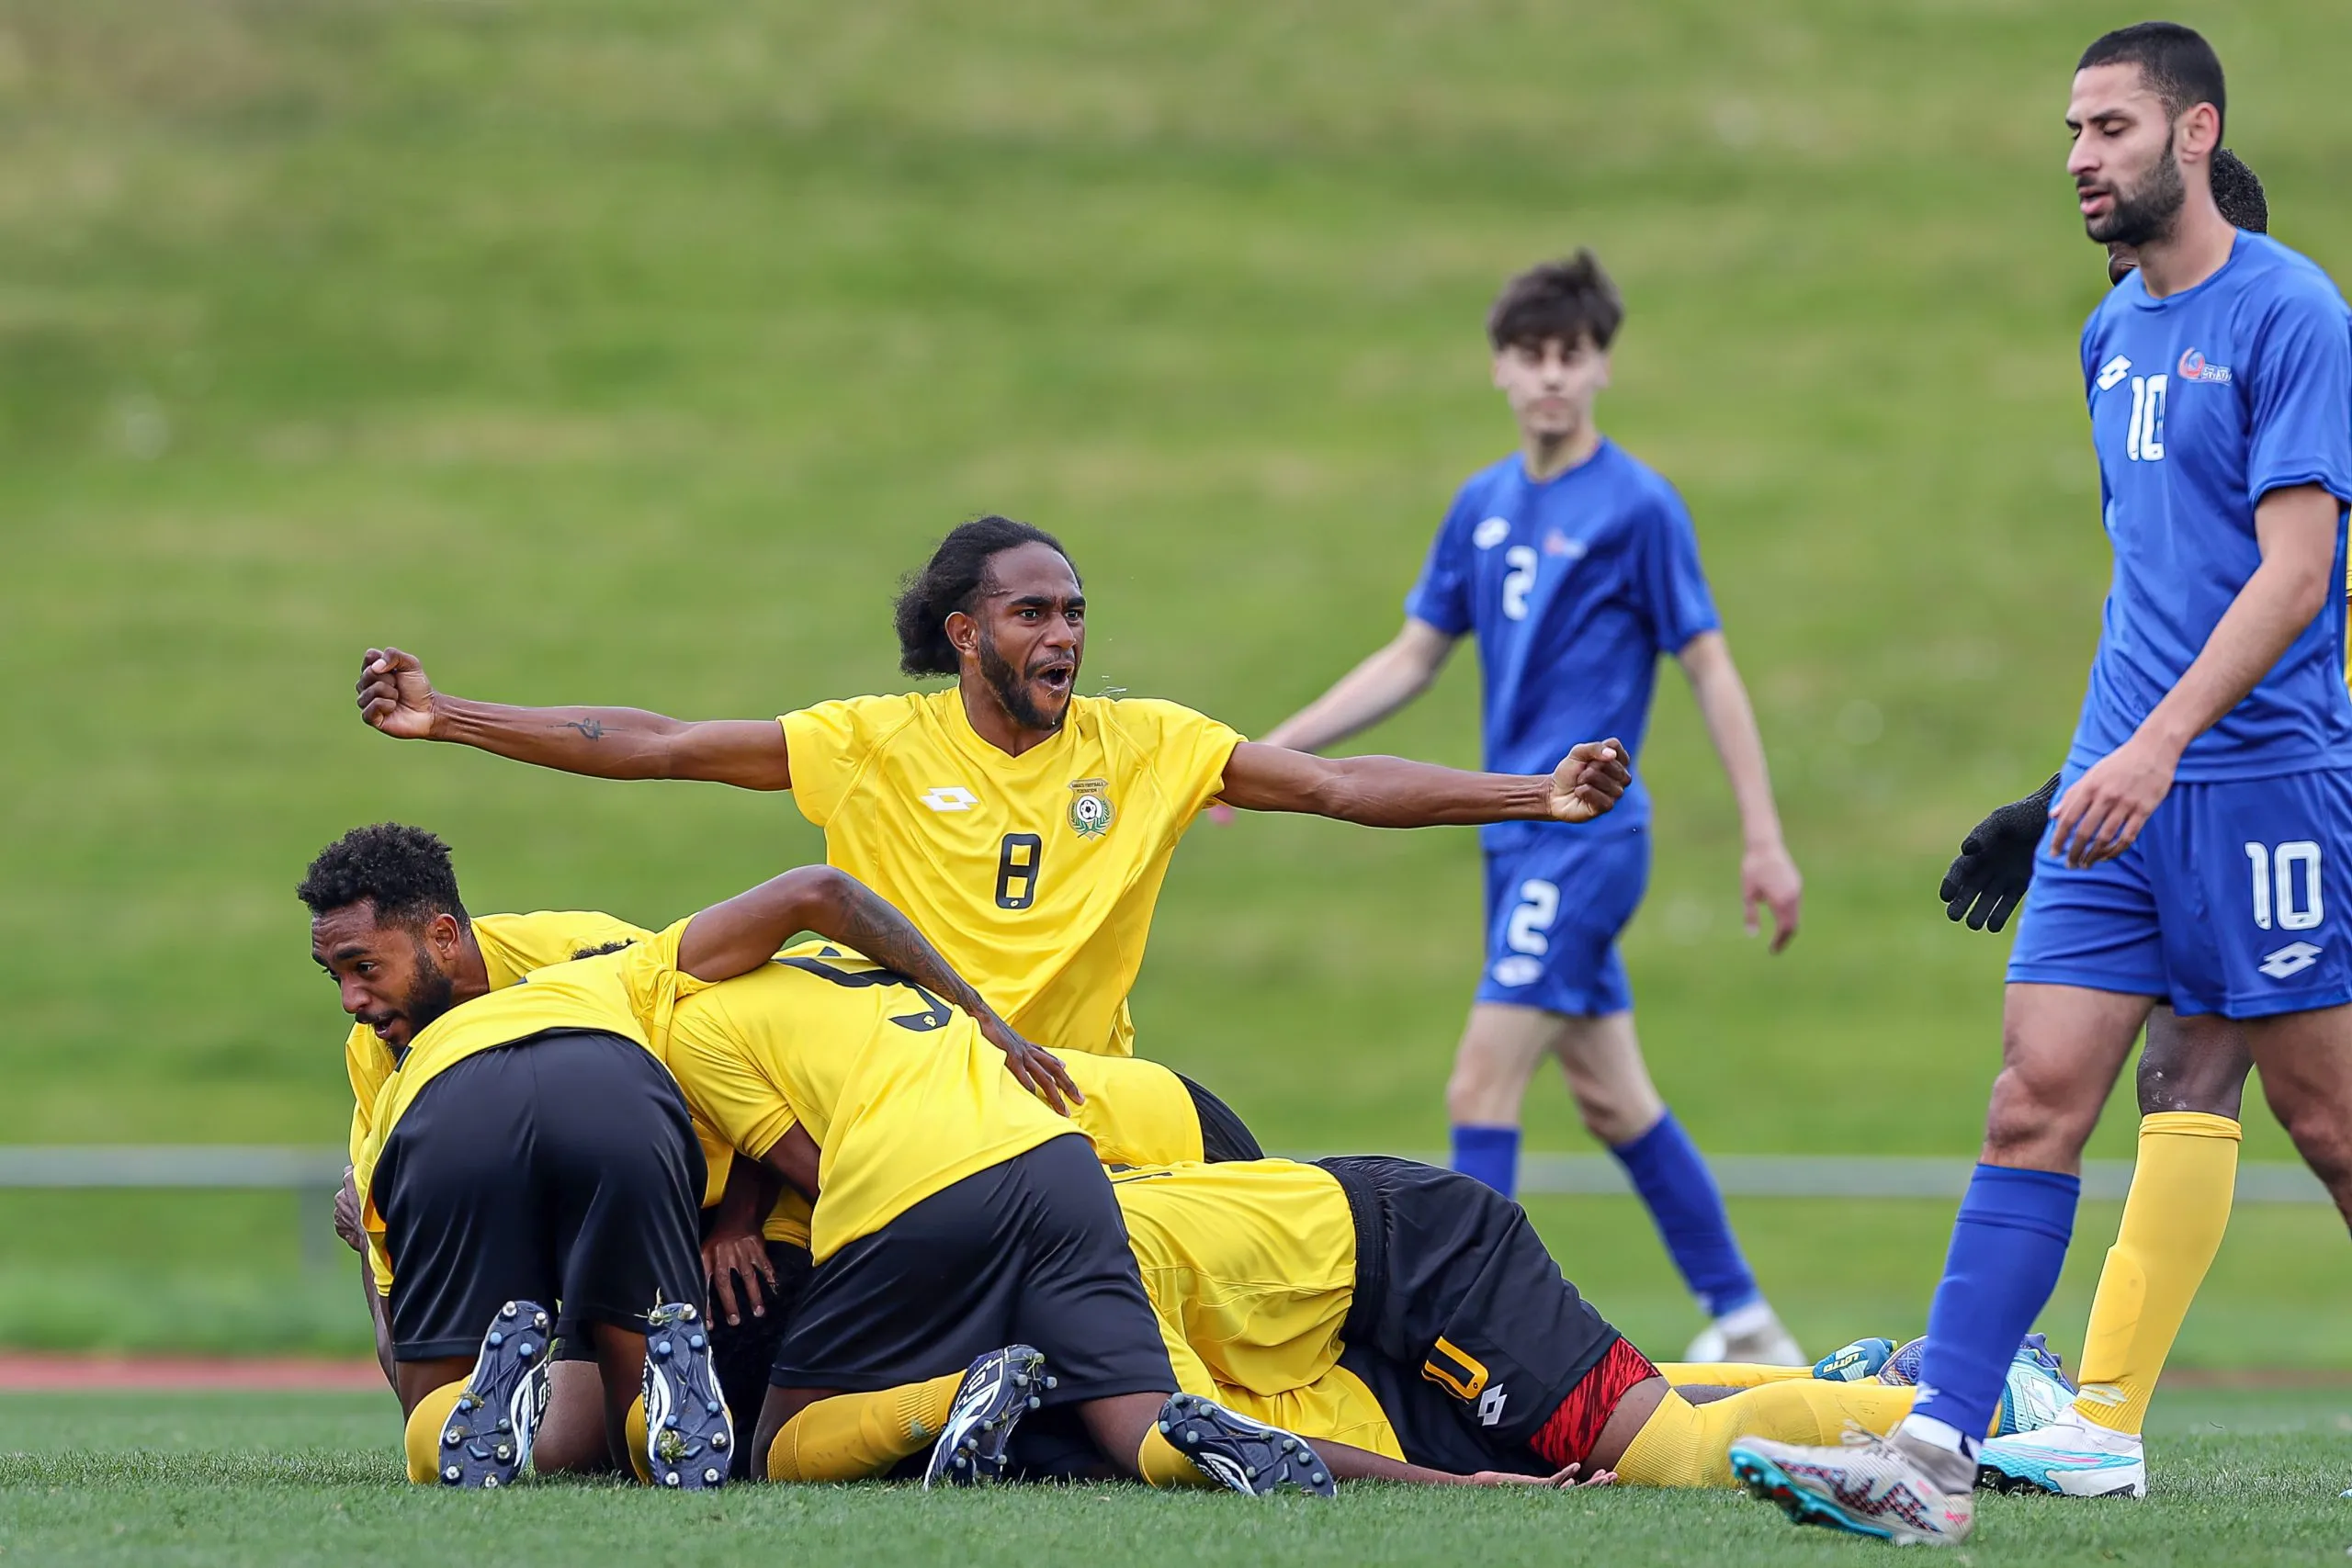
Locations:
(1742, 1322)
(1938, 1434)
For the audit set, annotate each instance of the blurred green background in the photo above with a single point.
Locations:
(629, 352)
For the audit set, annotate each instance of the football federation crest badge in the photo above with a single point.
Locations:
(1090, 814)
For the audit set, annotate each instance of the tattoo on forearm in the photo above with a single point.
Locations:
(590, 729)
(877, 930)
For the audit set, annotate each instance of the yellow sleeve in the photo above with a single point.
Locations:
(1189, 751)
(365, 1063)
(650, 973)
(724, 1089)
(828, 746)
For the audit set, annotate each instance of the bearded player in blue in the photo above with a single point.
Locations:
(2203, 823)
(1573, 555)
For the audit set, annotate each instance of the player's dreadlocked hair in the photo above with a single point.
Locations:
(404, 871)
(953, 581)
(1571, 300)
(2175, 61)
(2238, 194)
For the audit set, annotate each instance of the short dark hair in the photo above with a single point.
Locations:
(2175, 61)
(1572, 300)
(404, 871)
(2238, 193)
(951, 581)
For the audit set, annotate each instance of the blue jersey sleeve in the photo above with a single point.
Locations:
(1676, 602)
(1441, 597)
(2298, 433)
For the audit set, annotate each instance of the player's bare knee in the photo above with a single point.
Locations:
(2192, 1063)
(1616, 1118)
(2035, 1122)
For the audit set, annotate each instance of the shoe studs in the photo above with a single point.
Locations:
(718, 1441)
(452, 1475)
(525, 1350)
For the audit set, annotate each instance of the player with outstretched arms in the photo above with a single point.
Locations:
(1575, 567)
(1026, 829)
(2213, 743)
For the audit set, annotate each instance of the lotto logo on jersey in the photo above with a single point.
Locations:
(1090, 814)
(949, 797)
(2114, 371)
(1490, 533)
(2194, 367)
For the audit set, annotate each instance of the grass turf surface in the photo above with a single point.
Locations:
(2246, 1478)
(625, 351)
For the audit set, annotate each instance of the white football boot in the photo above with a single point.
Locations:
(1870, 1485)
(1753, 1335)
(2070, 1457)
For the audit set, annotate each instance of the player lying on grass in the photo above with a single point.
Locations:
(1405, 1309)
(1574, 567)
(1028, 828)
(488, 1177)
(2191, 1084)
(954, 1214)
(1134, 1112)
(2214, 742)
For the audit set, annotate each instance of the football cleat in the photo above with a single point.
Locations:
(1245, 1455)
(1901, 1368)
(1858, 1363)
(2035, 1392)
(997, 1390)
(1753, 1335)
(1869, 1486)
(2069, 1457)
(689, 1437)
(486, 1442)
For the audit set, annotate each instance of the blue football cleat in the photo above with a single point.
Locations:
(486, 1442)
(1858, 1363)
(997, 1390)
(689, 1437)
(1245, 1455)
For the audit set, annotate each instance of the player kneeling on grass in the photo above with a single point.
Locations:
(1409, 1313)
(533, 1148)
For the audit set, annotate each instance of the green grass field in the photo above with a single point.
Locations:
(627, 352)
(193, 1479)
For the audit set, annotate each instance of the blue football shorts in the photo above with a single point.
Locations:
(2229, 902)
(1558, 897)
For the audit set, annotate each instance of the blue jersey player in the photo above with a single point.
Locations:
(2203, 820)
(1572, 554)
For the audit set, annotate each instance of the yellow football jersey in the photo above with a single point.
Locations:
(899, 1089)
(1138, 1113)
(511, 946)
(1250, 1266)
(1338, 1407)
(632, 993)
(1035, 875)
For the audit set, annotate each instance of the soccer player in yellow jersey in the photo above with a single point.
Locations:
(1026, 829)
(529, 1144)
(1407, 1311)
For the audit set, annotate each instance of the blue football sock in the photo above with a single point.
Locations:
(1671, 1175)
(2006, 1248)
(1489, 1153)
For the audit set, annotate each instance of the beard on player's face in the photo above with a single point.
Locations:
(2143, 211)
(431, 992)
(1050, 671)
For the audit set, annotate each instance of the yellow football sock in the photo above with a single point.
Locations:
(633, 1428)
(1162, 1464)
(854, 1437)
(2173, 1221)
(1684, 1444)
(1727, 1374)
(422, 1438)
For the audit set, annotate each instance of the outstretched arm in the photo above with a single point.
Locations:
(737, 936)
(1384, 682)
(1389, 792)
(607, 743)
(1767, 875)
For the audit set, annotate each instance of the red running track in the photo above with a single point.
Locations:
(24, 1371)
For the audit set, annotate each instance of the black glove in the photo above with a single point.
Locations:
(1995, 861)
